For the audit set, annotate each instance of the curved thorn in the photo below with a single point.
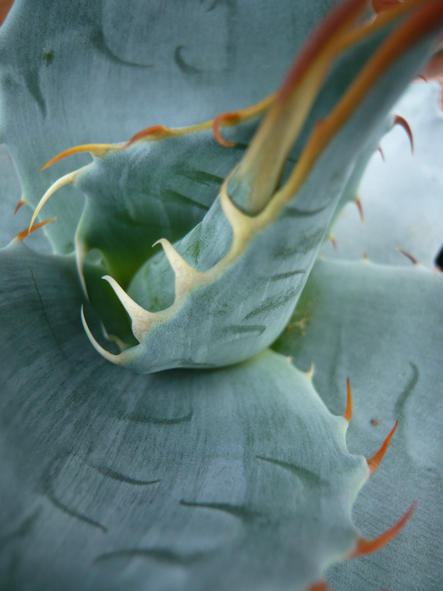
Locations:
(154, 132)
(141, 319)
(359, 205)
(422, 77)
(399, 120)
(177, 262)
(98, 150)
(348, 412)
(25, 233)
(67, 179)
(186, 276)
(407, 255)
(19, 205)
(224, 119)
(382, 154)
(80, 257)
(333, 241)
(364, 546)
(101, 350)
(375, 460)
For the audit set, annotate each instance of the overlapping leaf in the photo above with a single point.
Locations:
(248, 494)
(83, 72)
(185, 480)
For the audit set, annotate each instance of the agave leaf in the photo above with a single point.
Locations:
(151, 190)
(404, 213)
(81, 440)
(98, 70)
(161, 188)
(381, 325)
(200, 302)
(184, 480)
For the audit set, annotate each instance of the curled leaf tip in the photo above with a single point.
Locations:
(408, 255)
(25, 233)
(382, 154)
(364, 546)
(348, 412)
(359, 205)
(399, 120)
(19, 205)
(234, 117)
(376, 459)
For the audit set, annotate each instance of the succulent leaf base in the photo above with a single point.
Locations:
(179, 334)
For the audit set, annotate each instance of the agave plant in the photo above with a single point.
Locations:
(178, 416)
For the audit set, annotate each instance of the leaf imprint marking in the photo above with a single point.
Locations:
(243, 513)
(305, 475)
(114, 475)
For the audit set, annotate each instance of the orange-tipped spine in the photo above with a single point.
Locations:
(376, 459)
(365, 546)
(399, 120)
(348, 412)
(19, 205)
(25, 233)
(361, 212)
(408, 255)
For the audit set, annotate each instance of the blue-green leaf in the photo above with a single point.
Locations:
(185, 480)
(381, 325)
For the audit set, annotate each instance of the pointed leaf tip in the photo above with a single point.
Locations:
(364, 546)
(376, 459)
(348, 412)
